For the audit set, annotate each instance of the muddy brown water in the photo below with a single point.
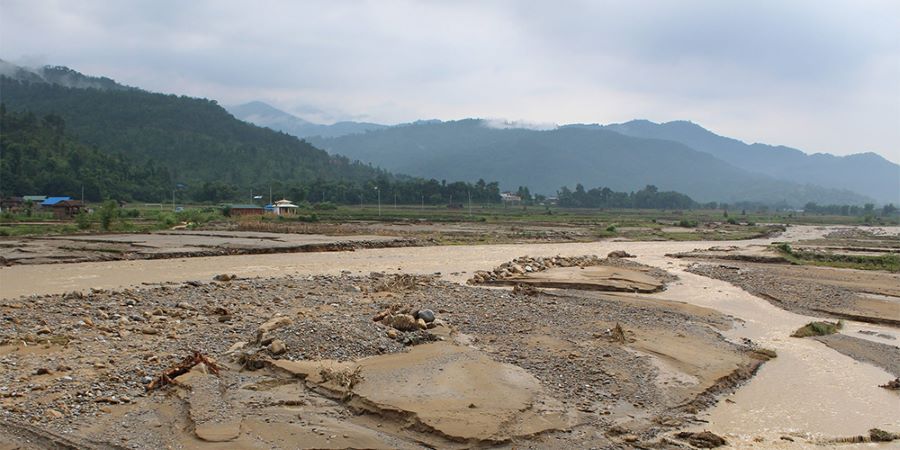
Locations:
(809, 390)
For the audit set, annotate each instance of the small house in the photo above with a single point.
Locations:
(509, 197)
(11, 204)
(50, 201)
(246, 210)
(283, 207)
(66, 209)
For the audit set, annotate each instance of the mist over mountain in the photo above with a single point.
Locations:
(546, 160)
(265, 115)
(59, 75)
(866, 173)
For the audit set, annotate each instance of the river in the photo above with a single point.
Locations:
(808, 390)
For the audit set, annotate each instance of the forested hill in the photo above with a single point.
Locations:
(196, 140)
(546, 160)
(39, 158)
(60, 75)
(866, 173)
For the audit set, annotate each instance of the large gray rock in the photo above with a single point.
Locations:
(425, 314)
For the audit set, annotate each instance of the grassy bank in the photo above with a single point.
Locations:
(591, 224)
(887, 261)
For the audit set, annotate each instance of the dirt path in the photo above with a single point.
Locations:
(775, 403)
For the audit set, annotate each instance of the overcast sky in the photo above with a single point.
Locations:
(822, 76)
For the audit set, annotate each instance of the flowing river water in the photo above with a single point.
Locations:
(808, 390)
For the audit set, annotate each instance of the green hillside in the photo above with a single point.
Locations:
(195, 140)
(38, 157)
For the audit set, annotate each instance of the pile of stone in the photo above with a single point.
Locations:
(250, 354)
(406, 318)
(526, 264)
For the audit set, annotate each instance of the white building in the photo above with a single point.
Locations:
(284, 207)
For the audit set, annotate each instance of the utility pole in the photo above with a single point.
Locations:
(395, 200)
(470, 202)
(423, 202)
(82, 194)
(378, 191)
(173, 199)
(270, 194)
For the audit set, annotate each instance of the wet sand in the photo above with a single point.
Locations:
(177, 244)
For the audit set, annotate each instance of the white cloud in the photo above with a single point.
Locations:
(504, 124)
(817, 76)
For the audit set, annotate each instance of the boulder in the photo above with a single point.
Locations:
(425, 314)
(277, 347)
(402, 322)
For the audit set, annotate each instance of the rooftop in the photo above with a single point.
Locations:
(50, 201)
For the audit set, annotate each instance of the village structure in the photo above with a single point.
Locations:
(61, 207)
(283, 207)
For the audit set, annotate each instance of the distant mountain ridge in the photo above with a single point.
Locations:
(265, 115)
(198, 141)
(546, 160)
(866, 173)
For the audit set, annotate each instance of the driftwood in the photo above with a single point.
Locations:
(168, 376)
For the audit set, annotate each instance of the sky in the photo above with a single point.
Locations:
(822, 76)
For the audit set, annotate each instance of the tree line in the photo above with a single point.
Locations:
(650, 197)
(388, 188)
(850, 210)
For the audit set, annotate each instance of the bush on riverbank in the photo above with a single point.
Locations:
(819, 329)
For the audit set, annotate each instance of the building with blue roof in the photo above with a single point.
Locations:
(50, 201)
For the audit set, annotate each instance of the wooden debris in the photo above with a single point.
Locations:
(168, 376)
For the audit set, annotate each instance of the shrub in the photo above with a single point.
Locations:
(732, 221)
(83, 220)
(611, 228)
(167, 219)
(108, 211)
(819, 329)
(687, 223)
(785, 247)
